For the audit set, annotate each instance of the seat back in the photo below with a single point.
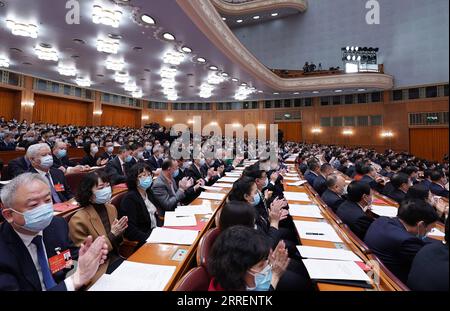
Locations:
(77, 160)
(205, 245)
(5, 173)
(387, 275)
(196, 280)
(117, 199)
(74, 179)
(356, 240)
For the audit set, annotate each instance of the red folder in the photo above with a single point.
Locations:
(199, 227)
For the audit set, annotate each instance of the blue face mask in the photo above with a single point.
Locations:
(202, 162)
(420, 236)
(38, 218)
(262, 280)
(103, 195)
(128, 159)
(176, 173)
(256, 199)
(145, 182)
(140, 155)
(61, 153)
(47, 161)
(110, 149)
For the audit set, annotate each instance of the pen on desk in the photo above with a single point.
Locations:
(314, 233)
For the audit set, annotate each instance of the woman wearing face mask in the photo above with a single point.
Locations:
(98, 218)
(92, 158)
(241, 260)
(139, 204)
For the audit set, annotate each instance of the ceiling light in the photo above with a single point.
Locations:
(387, 134)
(296, 93)
(121, 77)
(213, 68)
(106, 17)
(68, 70)
(108, 45)
(168, 73)
(186, 49)
(256, 17)
(276, 93)
(347, 132)
(172, 98)
(137, 94)
(244, 84)
(224, 18)
(338, 91)
(168, 36)
(224, 74)
(260, 91)
(130, 86)
(239, 21)
(316, 130)
(114, 64)
(168, 119)
(215, 79)
(22, 29)
(173, 58)
(83, 82)
(147, 19)
(46, 53)
(235, 80)
(201, 60)
(316, 92)
(4, 62)
(274, 14)
(361, 90)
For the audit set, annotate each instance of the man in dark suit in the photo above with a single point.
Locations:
(196, 172)
(400, 183)
(8, 143)
(396, 241)
(333, 196)
(137, 154)
(18, 166)
(313, 171)
(147, 150)
(30, 236)
(437, 186)
(156, 160)
(353, 210)
(60, 159)
(370, 177)
(320, 181)
(41, 160)
(116, 168)
(426, 181)
(109, 151)
(429, 269)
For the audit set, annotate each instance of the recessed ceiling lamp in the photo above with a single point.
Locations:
(213, 68)
(214, 79)
(256, 17)
(206, 90)
(239, 21)
(22, 29)
(4, 62)
(361, 90)
(186, 49)
(114, 64)
(168, 36)
(46, 52)
(296, 93)
(173, 58)
(244, 84)
(83, 82)
(225, 75)
(338, 91)
(168, 73)
(106, 17)
(260, 91)
(201, 60)
(276, 93)
(274, 14)
(224, 18)
(121, 77)
(67, 70)
(316, 92)
(137, 94)
(130, 86)
(108, 45)
(147, 19)
(243, 92)
(235, 80)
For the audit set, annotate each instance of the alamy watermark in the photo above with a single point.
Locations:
(373, 15)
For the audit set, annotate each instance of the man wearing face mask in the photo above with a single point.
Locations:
(109, 151)
(9, 143)
(155, 162)
(438, 181)
(400, 183)
(396, 241)
(60, 159)
(32, 241)
(147, 150)
(197, 172)
(41, 160)
(137, 152)
(352, 211)
(333, 196)
(117, 167)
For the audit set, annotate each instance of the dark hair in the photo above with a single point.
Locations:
(436, 175)
(237, 213)
(241, 187)
(399, 179)
(418, 191)
(167, 164)
(325, 167)
(124, 148)
(89, 181)
(253, 172)
(427, 173)
(313, 164)
(410, 169)
(133, 174)
(412, 211)
(87, 147)
(234, 252)
(356, 190)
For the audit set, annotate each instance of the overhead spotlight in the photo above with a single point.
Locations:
(224, 74)
(201, 60)
(347, 132)
(358, 58)
(173, 58)
(260, 91)
(106, 17)
(256, 17)
(137, 93)
(22, 29)
(147, 19)
(239, 21)
(168, 73)
(349, 57)
(186, 49)
(347, 48)
(274, 14)
(235, 80)
(338, 91)
(114, 64)
(4, 62)
(361, 90)
(276, 93)
(121, 77)
(168, 36)
(224, 18)
(316, 130)
(296, 93)
(315, 92)
(244, 84)
(357, 48)
(130, 86)
(67, 70)
(214, 79)
(45, 52)
(352, 48)
(354, 57)
(213, 68)
(83, 82)
(108, 45)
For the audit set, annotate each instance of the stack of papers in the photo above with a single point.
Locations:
(240, 168)
(297, 183)
(230, 174)
(312, 211)
(212, 196)
(291, 175)
(319, 231)
(297, 196)
(291, 178)
(179, 219)
(223, 185)
(133, 276)
(172, 236)
(384, 210)
(194, 209)
(212, 188)
(334, 270)
(228, 179)
(436, 233)
(327, 253)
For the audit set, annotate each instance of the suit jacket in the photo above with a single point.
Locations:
(320, 184)
(310, 177)
(372, 183)
(65, 162)
(429, 269)
(397, 195)
(147, 155)
(354, 217)
(197, 174)
(115, 172)
(332, 199)
(438, 190)
(7, 147)
(139, 223)
(18, 166)
(351, 170)
(426, 183)
(89, 160)
(167, 198)
(58, 177)
(228, 168)
(263, 223)
(388, 188)
(18, 271)
(87, 222)
(393, 245)
(108, 156)
(154, 164)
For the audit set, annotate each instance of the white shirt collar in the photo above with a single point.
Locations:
(26, 238)
(42, 172)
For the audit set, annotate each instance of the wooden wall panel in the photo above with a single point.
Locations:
(9, 103)
(429, 143)
(60, 110)
(118, 116)
(292, 130)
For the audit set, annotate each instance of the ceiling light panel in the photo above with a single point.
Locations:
(83, 82)
(4, 62)
(121, 77)
(22, 29)
(173, 58)
(68, 70)
(106, 17)
(115, 64)
(46, 53)
(108, 45)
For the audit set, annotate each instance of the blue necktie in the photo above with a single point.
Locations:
(49, 282)
(55, 195)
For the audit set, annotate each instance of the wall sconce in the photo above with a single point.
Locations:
(316, 130)
(387, 134)
(214, 123)
(145, 118)
(261, 126)
(235, 125)
(169, 120)
(98, 112)
(347, 132)
(190, 121)
(28, 103)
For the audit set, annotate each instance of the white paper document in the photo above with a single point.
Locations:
(291, 178)
(297, 183)
(194, 209)
(172, 236)
(133, 276)
(179, 219)
(436, 233)
(291, 175)
(297, 196)
(335, 270)
(212, 188)
(327, 253)
(230, 174)
(240, 168)
(312, 211)
(385, 210)
(228, 179)
(319, 231)
(223, 185)
(212, 196)
(5, 182)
